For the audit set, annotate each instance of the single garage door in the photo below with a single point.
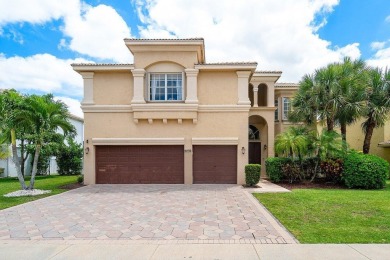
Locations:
(215, 164)
(155, 164)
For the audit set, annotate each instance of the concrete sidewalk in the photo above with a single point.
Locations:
(114, 249)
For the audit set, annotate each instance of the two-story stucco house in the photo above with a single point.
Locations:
(171, 117)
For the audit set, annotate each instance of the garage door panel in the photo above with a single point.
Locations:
(215, 164)
(140, 164)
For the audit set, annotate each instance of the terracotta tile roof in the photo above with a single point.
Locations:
(286, 85)
(164, 39)
(102, 64)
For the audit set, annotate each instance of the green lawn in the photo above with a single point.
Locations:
(332, 215)
(52, 183)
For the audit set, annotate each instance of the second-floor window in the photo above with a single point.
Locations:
(286, 107)
(277, 110)
(165, 87)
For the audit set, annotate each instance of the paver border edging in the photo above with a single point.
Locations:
(287, 236)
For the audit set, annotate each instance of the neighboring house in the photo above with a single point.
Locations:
(9, 166)
(171, 117)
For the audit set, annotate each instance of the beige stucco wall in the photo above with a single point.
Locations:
(113, 88)
(210, 125)
(147, 58)
(217, 88)
(355, 138)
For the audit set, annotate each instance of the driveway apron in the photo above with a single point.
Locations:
(226, 213)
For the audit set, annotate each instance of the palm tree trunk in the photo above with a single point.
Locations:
(15, 159)
(22, 159)
(343, 128)
(330, 123)
(367, 137)
(35, 166)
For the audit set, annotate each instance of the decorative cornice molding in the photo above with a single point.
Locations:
(148, 107)
(138, 141)
(224, 108)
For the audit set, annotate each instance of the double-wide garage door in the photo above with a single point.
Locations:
(157, 164)
(164, 164)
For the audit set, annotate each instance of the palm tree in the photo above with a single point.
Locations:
(291, 143)
(316, 98)
(11, 103)
(45, 116)
(378, 103)
(4, 152)
(350, 98)
(328, 144)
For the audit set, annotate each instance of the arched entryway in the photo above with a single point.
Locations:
(258, 139)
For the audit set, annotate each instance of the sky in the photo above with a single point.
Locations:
(39, 39)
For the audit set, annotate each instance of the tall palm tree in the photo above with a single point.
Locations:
(378, 103)
(45, 116)
(350, 97)
(11, 103)
(316, 98)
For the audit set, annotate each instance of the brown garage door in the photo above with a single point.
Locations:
(215, 164)
(160, 164)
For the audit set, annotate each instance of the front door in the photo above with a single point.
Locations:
(254, 152)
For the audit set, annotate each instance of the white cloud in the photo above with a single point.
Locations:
(94, 31)
(381, 58)
(40, 72)
(387, 19)
(377, 45)
(98, 32)
(279, 34)
(73, 105)
(35, 11)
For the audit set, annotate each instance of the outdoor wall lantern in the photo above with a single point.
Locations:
(265, 147)
(87, 150)
(243, 150)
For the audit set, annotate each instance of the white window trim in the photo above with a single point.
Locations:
(276, 115)
(166, 101)
(285, 113)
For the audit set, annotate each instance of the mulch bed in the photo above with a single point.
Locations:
(311, 185)
(72, 186)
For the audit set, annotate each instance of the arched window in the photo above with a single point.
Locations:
(253, 133)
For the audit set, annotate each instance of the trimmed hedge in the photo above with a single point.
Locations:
(365, 171)
(274, 167)
(252, 174)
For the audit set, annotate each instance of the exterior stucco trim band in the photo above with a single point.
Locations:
(138, 141)
(215, 141)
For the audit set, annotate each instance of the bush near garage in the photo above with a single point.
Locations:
(252, 174)
(365, 171)
(274, 167)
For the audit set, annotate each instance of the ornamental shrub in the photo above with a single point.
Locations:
(273, 167)
(332, 168)
(291, 172)
(80, 179)
(252, 174)
(69, 158)
(365, 171)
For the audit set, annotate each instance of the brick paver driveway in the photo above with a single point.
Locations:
(145, 212)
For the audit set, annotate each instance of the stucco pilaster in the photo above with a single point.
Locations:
(242, 84)
(192, 86)
(270, 94)
(255, 96)
(139, 82)
(88, 87)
